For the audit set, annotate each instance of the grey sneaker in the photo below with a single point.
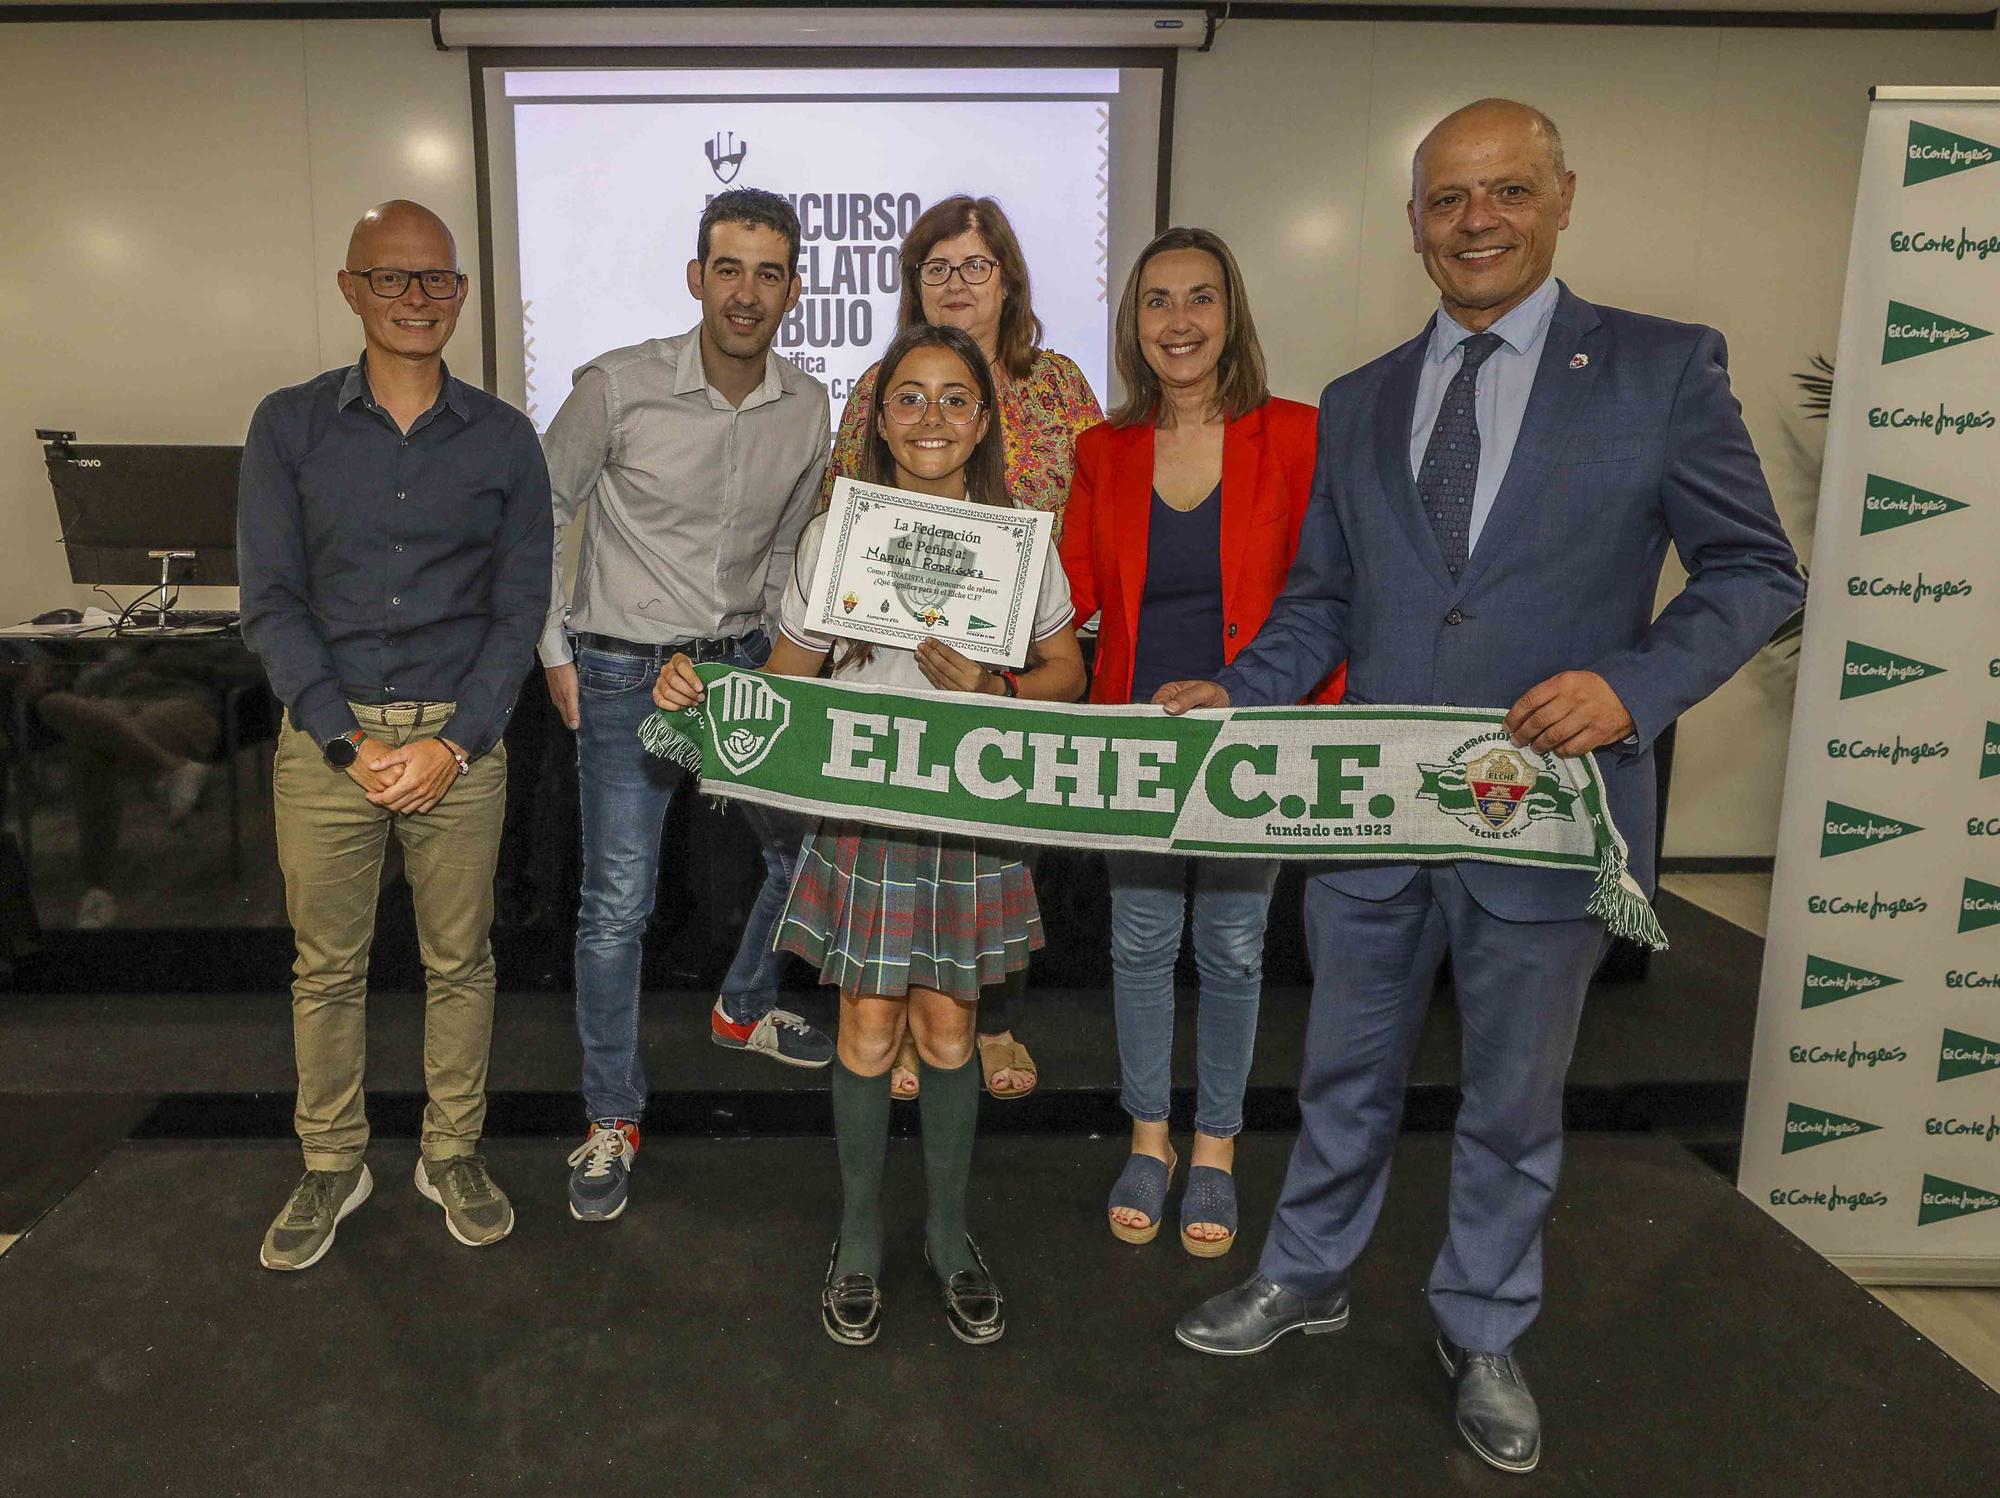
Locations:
(476, 1210)
(301, 1234)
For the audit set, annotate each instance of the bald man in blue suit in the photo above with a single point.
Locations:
(1492, 507)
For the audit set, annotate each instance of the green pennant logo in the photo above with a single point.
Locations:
(1989, 752)
(1912, 331)
(1846, 828)
(1806, 1127)
(1866, 670)
(1933, 153)
(1888, 503)
(1963, 1055)
(1978, 906)
(1944, 1199)
(1828, 982)
(975, 622)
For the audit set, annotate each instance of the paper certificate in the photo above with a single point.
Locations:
(899, 568)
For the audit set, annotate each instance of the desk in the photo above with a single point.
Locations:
(135, 792)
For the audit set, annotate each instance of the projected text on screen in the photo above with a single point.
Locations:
(613, 169)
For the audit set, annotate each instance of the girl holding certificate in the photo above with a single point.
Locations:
(911, 925)
(963, 268)
(1184, 517)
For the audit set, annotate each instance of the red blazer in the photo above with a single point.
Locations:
(1267, 469)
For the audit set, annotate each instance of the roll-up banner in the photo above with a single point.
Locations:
(1873, 1128)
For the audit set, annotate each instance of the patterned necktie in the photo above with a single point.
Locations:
(1451, 458)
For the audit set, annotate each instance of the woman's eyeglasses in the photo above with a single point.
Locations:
(974, 270)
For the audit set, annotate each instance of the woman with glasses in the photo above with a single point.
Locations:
(963, 268)
(1183, 520)
(911, 926)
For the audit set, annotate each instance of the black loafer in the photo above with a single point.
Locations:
(1255, 1314)
(850, 1308)
(1496, 1414)
(973, 1306)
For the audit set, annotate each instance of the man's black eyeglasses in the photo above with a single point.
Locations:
(388, 281)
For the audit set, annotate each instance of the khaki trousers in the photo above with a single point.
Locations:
(331, 843)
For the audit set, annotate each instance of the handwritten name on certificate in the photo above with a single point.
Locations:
(899, 568)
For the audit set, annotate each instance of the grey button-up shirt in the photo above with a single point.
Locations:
(695, 505)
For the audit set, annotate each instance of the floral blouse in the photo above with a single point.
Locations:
(1041, 417)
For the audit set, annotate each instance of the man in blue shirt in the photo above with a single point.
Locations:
(393, 546)
(1489, 516)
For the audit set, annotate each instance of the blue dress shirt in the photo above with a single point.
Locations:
(386, 566)
(1500, 391)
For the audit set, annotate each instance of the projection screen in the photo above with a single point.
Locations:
(594, 177)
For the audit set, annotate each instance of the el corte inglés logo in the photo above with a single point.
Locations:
(1932, 153)
(1978, 906)
(1806, 1127)
(1867, 669)
(1912, 331)
(1846, 828)
(1942, 1199)
(1989, 752)
(1827, 1198)
(1888, 503)
(1963, 1055)
(1828, 982)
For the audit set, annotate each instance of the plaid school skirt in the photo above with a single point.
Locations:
(883, 912)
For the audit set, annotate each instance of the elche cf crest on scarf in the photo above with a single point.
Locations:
(1491, 787)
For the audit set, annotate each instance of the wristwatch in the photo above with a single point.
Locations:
(341, 752)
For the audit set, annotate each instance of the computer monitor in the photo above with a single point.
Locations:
(117, 503)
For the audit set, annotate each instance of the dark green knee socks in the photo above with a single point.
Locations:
(861, 1130)
(950, 1104)
(949, 1100)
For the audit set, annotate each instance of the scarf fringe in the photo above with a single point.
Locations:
(665, 739)
(1622, 905)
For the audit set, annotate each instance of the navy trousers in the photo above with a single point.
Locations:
(1520, 989)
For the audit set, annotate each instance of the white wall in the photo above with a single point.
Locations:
(176, 198)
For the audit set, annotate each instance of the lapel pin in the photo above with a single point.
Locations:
(1578, 361)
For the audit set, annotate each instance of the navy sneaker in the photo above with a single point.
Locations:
(600, 1176)
(781, 1035)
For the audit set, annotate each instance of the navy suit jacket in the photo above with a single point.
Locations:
(1631, 439)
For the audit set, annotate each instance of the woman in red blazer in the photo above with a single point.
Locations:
(1182, 522)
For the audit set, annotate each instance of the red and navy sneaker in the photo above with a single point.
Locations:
(781, 1035)
(600, 1175)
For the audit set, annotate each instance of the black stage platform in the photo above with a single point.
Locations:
(1692, 1345)
(1670, 1049)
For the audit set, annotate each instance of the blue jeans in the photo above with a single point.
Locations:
(1232, 898)
(625, 793)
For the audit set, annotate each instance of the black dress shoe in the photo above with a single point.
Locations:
(974, 1309)
(1496, 1413)
(1255, 1314)
(850, 1308)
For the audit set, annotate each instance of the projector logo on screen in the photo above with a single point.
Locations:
(725, 155)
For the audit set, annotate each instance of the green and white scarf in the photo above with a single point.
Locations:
(1383, 784)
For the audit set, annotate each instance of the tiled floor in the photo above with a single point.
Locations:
(1965, 1323)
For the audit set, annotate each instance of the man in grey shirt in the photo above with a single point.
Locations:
(701, 458)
